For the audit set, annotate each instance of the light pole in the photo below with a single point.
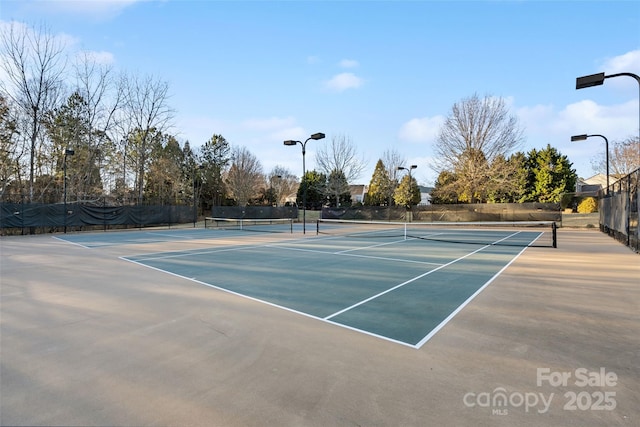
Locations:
(67, 152)
(583, 137)
(273, 193)
(195, 198)
(402, 168)
(315, 136)
(597, 80)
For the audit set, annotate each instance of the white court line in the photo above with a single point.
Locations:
(414, 279)
(177, 236)
(354, 255)
(534, 240)
(73, 243)
(181, 254)
(175, 254)
(327, 319)
(371, 246)
(393, 259)
(464, 304)
(291, 310)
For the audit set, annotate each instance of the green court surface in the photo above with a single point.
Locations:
(402, 290)
(119, 238)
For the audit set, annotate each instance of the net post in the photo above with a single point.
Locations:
(317, 227)
(554, 234)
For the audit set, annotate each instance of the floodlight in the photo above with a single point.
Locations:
(590, 80)
(315, 136)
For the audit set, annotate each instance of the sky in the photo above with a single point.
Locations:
(384, 74)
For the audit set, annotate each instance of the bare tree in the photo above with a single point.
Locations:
(146, 114)
(340, 158)
(245, 177)
(623, 158)
(476, 132)
(284, 183)
(392, 159)
(103, 96)
(34, 64)
(9, 152)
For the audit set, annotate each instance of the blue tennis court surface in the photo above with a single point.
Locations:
(402, 290)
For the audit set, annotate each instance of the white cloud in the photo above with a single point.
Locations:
(297, 133)
(349, 63)
(344, 81)
(421, 129)
(59, 42)
(99, 9)
(544, 124)
(62, 40)
(626, 63)
(98, 57)
(201, 128)
(615, 121)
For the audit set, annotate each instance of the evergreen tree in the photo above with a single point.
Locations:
(509, 179)
(68, 128)
(164, 181)
(445, 191)
(408, 193)
(315, 183)
(380, 187)
(549, 175)
(215, 155)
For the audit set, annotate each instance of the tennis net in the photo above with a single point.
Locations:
(515, 233)
(267, 225)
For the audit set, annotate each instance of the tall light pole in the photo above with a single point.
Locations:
(583, 137)
(597, 80)
(195, 198)
(402, 168)
(274, 192)
(67, 152)
(315, 136)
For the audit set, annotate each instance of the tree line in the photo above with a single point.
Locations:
(73, 128)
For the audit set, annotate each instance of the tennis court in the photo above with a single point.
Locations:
(231, 327)
(400, 282)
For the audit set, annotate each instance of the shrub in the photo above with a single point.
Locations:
(588, 205)
(567, 200)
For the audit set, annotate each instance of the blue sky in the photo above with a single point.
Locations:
(385, 74)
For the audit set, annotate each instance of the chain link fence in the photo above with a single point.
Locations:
(618, 207)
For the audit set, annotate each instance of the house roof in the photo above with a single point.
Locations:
(358, 190)
(597, 179)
